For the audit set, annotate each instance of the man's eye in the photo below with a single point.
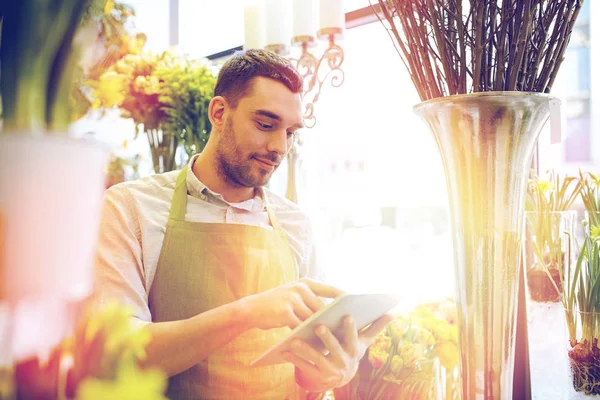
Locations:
(264, 126)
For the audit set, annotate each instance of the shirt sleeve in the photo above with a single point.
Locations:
(313, 270)
(119, 268)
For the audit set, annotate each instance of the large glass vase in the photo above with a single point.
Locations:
(487, 141)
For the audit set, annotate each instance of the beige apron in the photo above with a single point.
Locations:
(205, 265)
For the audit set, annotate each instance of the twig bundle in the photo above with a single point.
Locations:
(464, 46)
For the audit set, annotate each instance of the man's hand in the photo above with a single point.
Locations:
(289, 304)
(318, 372)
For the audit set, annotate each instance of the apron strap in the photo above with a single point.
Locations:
(276, 225)
(282, 235)
(179, 202)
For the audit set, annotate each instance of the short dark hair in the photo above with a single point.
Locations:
(236, 74)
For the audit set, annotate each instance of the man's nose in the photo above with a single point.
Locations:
(279, 142)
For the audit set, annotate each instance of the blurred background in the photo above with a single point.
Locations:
(369, 173)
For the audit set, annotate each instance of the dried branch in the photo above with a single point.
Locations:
(455, 46)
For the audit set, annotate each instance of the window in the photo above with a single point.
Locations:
(208, 27)
(578, 93)
(370, 174)
(152, 20)
(372, 179)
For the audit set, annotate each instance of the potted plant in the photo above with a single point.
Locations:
(582, 310)
(549, 234)
(51, 188)
(51, 185)
(590, 195)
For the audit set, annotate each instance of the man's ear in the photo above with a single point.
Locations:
(216, 111)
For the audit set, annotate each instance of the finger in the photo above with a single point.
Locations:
(323, 290)
(350, 335)
(299, 362)
(307, 352)
(330, 342)
(302, 311)
(310, 299)
(377, 326)
(293, 320)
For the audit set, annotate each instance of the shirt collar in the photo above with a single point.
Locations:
(197, 189)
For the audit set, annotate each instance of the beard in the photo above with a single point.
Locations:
(238, 168)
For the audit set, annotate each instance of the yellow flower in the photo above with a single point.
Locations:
(378, 358)
(146, 84)
(544, 186)
(136, 44)
(382, 343)
(398, 327)
(423, 312)
(379, 351)
(449, 312)
(399, 370)
(154, 86)
(595, 233)
(120, 336)
(441, 331)
(131, 383)
(125, 65)
(108, 7)
(595, 179)
(424, 337)
(96, 104)
(447, 353)
(110, 89)
(409, 353)
(454, 334)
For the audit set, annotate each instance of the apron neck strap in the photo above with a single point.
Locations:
(179, 202)
(275, 223)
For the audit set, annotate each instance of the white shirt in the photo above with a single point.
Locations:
(134, 221)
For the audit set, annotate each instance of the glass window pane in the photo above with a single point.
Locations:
(152, 19)
(578, 92)
(351, 5)
(373, 180)
(207, 26)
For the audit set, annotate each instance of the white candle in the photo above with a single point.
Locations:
(306, 17)
(279, 22)
(332, 14)
(254, 25)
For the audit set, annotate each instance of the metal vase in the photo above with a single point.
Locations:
(487, 141)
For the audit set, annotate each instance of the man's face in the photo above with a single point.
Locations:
(258, 133)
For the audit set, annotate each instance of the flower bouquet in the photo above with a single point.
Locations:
(167, 97)
(415, 357)
(186, 91)
(114, 40)
(99, 361)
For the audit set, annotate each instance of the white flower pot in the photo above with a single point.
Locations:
(51, 190)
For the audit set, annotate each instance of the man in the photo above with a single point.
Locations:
(219, 267)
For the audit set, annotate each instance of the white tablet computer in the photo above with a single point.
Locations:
(365, 308)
